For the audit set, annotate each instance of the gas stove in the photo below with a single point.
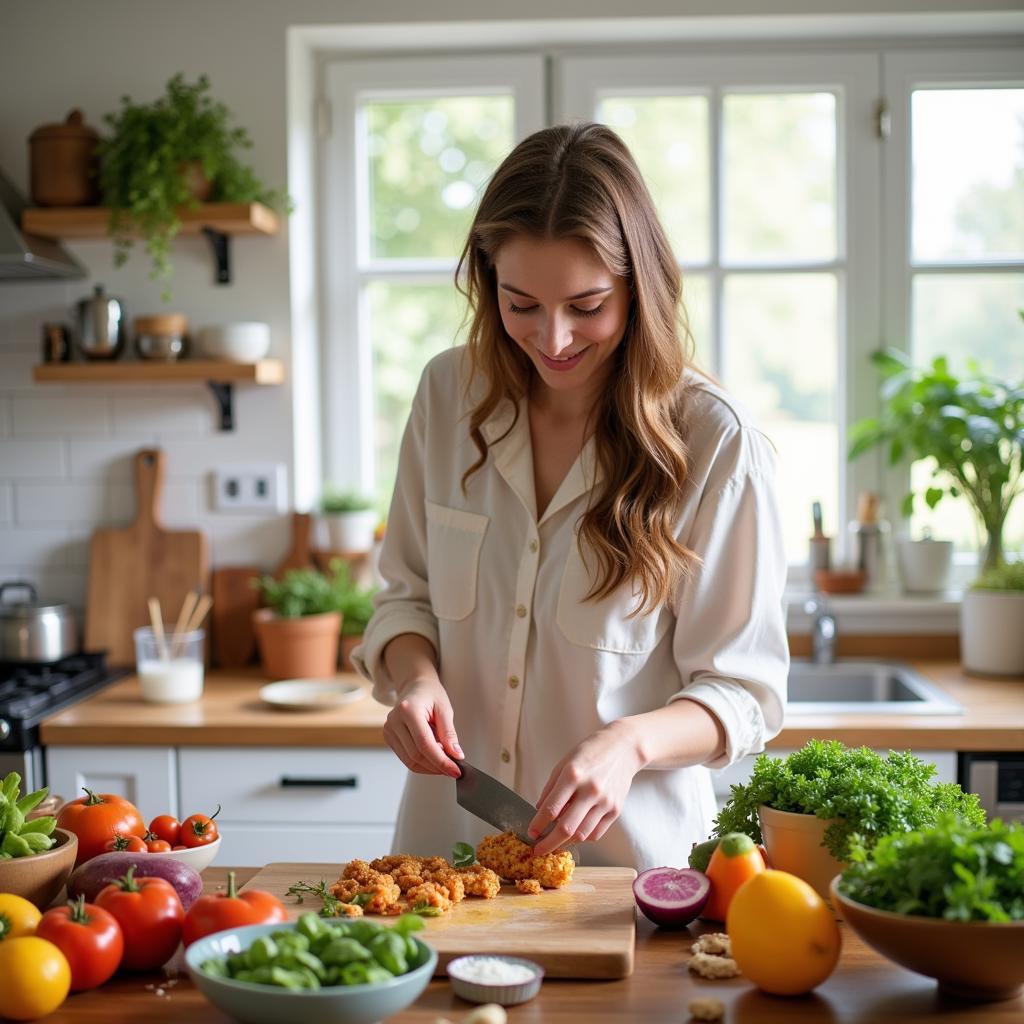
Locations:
(30, 693)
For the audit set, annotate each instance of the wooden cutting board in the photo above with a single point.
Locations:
(585, 930)
(300, 555)
(128, 565)
(234, 600)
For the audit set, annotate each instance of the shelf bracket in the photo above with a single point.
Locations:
(220, 243)
(224, 394)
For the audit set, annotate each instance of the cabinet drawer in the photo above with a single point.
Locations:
(256, 845)
(297, 785)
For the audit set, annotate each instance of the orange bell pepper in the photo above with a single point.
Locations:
(736, 860)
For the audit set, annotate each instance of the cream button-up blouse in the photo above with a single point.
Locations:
(530, 667)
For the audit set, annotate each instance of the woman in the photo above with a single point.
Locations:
(583, 558)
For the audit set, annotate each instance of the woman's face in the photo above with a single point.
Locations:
(564, 308)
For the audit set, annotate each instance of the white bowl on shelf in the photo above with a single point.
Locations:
(245, 341)
(199, 858)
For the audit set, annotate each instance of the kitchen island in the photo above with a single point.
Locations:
(864, 989)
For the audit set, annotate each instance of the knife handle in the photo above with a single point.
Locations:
(323, 781)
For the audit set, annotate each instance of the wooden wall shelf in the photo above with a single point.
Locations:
(219, 375)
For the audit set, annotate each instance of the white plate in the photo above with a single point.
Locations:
(307, 694)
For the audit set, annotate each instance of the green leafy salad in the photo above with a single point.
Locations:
(954, 870)
(870, 795)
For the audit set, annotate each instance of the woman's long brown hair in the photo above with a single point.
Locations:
(580, 181)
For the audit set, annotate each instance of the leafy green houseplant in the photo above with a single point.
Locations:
(971, 427)
(351, 519)
(155, 159)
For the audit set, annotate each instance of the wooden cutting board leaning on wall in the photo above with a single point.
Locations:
(128, 565)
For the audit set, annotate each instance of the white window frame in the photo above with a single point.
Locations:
(347, 366)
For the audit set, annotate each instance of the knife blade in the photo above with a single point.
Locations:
(495, 803)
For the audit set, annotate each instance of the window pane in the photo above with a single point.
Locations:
(697, 302)
(780, 361)
(428, 163)
(968, 173)
(970, 316)
(668, 136)
(409, 324)
(779, 173)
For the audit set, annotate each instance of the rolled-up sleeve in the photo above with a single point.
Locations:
(403, 605)
(730, 643)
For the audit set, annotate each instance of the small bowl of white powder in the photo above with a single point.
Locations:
(495, 979)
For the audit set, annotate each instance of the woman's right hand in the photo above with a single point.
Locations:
(420, 728)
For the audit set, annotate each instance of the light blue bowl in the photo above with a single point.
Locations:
(266, 1004)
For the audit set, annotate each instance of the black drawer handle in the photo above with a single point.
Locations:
(325, 781)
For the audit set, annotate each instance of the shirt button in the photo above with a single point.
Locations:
(506, 756)
(513, 681)
(534, 545)
(521, 611)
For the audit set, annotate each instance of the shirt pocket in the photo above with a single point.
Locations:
(454, 539)
(604, 624)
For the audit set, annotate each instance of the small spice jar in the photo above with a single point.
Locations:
(162, 336)
(63, 164)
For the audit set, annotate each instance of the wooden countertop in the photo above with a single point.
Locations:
(231, 714)
(864, 989)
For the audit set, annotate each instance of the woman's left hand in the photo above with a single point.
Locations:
(587, 788)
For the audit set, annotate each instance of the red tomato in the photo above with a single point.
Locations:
(150, 915)
(199, 830)
(166, 827)
(180, 846)
(216, 911)
(96, 818)
(90, 939)
(131, 844)
(154, 844)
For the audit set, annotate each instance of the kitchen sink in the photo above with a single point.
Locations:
(863, 687)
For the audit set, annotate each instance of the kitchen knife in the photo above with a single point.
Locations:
(495, 803)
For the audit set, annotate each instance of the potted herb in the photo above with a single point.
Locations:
(356, 606)
(299, 632)
(971, 428)
(991, 617)
(351, 520)
(177, 151)
(808, 807)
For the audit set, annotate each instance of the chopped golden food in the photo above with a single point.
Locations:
(528, 885)
(706, 1009)
(715, 943)
(480, 881)
(707, 965)
(511, 858)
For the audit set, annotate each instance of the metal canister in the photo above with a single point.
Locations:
(101, 325)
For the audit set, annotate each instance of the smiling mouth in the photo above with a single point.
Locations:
(563, 360)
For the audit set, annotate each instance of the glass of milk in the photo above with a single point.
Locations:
(170, 669)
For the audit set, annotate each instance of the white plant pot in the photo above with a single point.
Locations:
(924, 565)
(351, 531)
(992, 632)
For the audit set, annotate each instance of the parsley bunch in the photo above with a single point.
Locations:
(954, 870)
(870, 795)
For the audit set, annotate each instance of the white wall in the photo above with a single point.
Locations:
(65, 451)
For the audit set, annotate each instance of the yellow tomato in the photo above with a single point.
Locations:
(784, 937)
(18, 917)
(34, 978)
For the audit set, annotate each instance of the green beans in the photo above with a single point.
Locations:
(318, 953)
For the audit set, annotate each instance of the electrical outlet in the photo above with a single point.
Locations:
(249, 487)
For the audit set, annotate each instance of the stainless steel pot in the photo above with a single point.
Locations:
(30, 631)
(101, 325)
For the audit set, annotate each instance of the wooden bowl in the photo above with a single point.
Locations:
(839, 581)
(40, 877)
(975, 960)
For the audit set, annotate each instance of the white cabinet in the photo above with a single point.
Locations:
(148, 776)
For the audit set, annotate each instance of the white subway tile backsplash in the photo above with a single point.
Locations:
(5, 417)
(17, 365)
(180, 504)
(68, 503)
(244, 540)
(55, 417)
(178, 414)
(6, 503)
(31, 460)
(54, 586)
(42, 549)
(106, 461)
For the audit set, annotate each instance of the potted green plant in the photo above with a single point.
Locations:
(970, 427)
(351, 519)
(177, 151)
(810, 806)
(991, 619)
(355, 603)
(299, 631)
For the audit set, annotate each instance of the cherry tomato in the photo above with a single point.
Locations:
(154, 844)
(217, 911)
(89, 937)
(199, 830)
(150, 915)
(166, 827)
(129, 844)
(179, 847)
(96, 818)
(18, 917)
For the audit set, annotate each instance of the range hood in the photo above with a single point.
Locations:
(28, 257)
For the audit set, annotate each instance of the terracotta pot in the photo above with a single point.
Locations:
(197, 182)
(41, 877)
(794, 844)
(303, 648)
(348, 645)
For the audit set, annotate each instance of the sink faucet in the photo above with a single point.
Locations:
(823, 630)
